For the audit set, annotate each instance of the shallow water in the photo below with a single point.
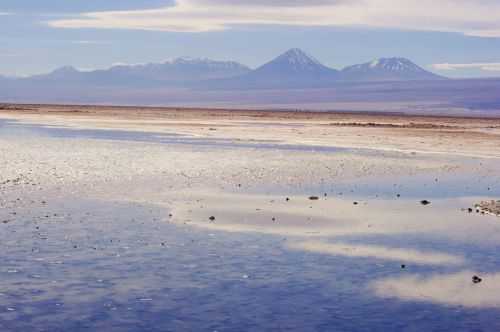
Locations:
(10, 128)
(121, 266)
(83, 265)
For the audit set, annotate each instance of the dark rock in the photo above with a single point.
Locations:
(476, 279)
(212, 218)
(425, 202)
(313, 198)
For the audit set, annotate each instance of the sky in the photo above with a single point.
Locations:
(455, 38)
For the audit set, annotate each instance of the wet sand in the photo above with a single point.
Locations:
(167, 187)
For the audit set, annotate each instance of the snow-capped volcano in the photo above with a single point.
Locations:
(294, 68)
(294, 61)
(297, 59)
(387, 69)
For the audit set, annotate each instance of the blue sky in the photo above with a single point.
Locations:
(38, 36)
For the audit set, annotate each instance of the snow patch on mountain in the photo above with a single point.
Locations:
(385, 69)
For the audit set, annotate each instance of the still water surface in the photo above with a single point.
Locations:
(88, 265)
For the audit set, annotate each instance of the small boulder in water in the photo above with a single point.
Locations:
(476, 279)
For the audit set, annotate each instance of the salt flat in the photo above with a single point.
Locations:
(157, 203)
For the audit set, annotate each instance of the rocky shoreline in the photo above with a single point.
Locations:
(489, 207)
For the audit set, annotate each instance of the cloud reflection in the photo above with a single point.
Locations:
(379, 252)
(448, 289)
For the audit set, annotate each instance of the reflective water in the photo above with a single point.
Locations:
(13, 128)
(84, 265)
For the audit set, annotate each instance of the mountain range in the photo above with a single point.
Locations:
(180, 71)
(293, 80)
(292, 69)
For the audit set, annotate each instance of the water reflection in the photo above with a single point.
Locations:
(77, 265)
(12, 128)
(455, 289)
(379, 252)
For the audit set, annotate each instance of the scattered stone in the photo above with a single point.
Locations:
(425, 202)
(313, 198)
(355, 203)
(476, 279)
(490, 207)
(403, 266)
(212, 218)
(287, 199)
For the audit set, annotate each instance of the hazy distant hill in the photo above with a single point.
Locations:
(387, 69)
(176, 72)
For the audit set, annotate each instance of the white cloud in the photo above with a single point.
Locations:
(485, 66)
(475, 18)
(448, 289)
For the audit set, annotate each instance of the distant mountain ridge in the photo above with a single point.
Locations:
(179, 70)
(294, 69)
